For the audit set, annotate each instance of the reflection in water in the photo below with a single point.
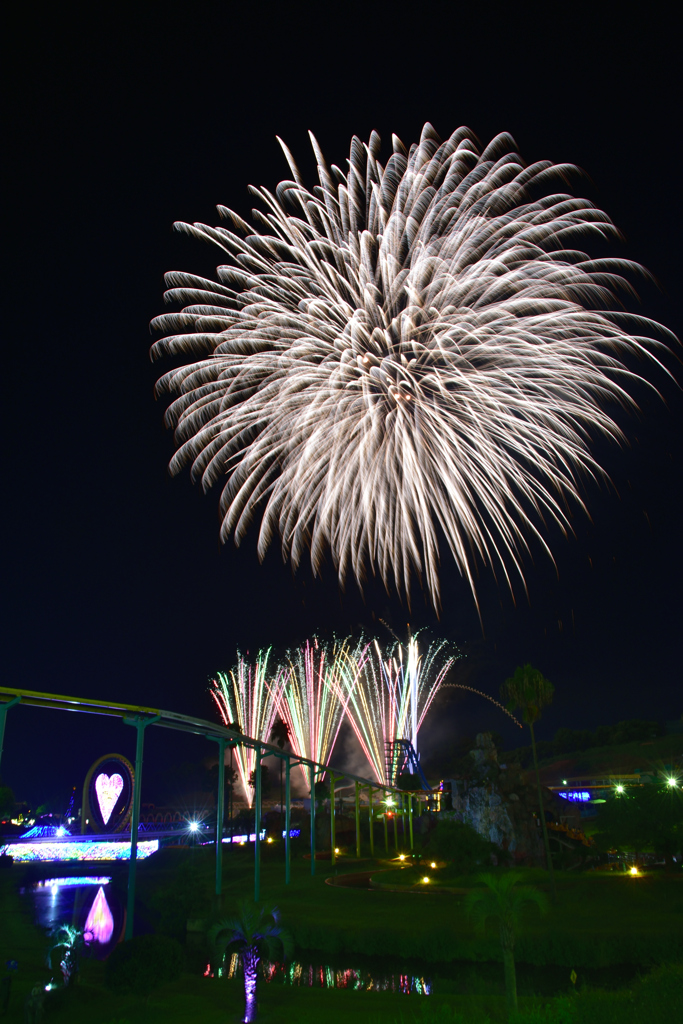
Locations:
(99, 924)
(97, 912)
(64, 883)
(321, 976)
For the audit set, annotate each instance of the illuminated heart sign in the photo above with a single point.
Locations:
(100, 924)
(108, 791)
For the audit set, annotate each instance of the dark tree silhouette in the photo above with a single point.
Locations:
(529, 690)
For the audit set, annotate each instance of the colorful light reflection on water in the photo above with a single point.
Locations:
(324, 976)
(85, 902)
(62, 883)
(99, 924)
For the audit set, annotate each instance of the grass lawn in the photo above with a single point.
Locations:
(601, 920)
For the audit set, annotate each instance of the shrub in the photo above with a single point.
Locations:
(462, 846)
(144, 963)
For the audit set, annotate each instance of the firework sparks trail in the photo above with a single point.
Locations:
(391, 695)
(480, 693)
(314, 687)
(247, 695)
(408, 348)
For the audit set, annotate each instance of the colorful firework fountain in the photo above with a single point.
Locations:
(248, 695)
(314, 686)
(387, 697)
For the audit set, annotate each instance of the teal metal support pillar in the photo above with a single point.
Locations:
(257, 825)
(288, 823)
(395, 817)
(386, 831)
(371, 822)
(333, 856)
(220, 811)
(140, 725)
(410, 821)
(4, 708)
(312, 819)
(358, 820)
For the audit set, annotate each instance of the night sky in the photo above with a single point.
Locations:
(119, 124)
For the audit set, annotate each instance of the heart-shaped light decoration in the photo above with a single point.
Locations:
(108, 791)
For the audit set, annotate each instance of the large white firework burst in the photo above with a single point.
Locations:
(406, 348)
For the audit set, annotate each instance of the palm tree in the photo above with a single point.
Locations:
(502, 897)
(70, 943)
(529, 690)
(253, 931)
(280, 733)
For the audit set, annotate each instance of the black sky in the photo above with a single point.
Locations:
(121, 120)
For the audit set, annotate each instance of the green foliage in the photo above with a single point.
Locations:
(461, 845)
(529, 690)
(655, 998)
(253, 925)
(68, 945)
(266, 780)
(187, 893)
(231, 777)
(144, 963)
(649, 816)
(7, 802)
(427, 1013)
(280, 732)
(571, 741)
(504, 898)
(560, 1011)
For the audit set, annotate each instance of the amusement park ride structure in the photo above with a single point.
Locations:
(398, 802)
(401, 755)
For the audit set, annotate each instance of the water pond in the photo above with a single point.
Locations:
(85, 902)
(384, 974)
(93, 904)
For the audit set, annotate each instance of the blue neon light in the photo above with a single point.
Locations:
(577, 795)
(45, 832)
